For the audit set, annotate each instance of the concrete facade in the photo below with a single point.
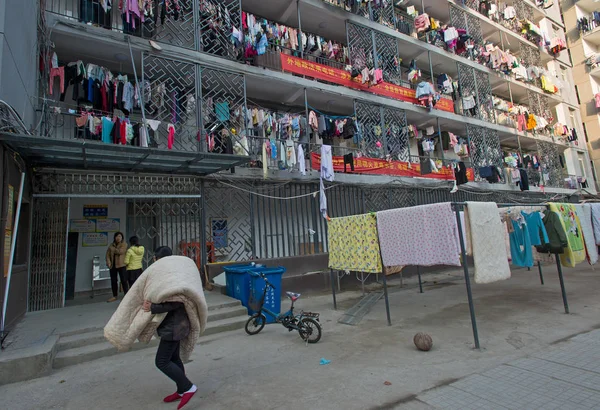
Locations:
(582, 46)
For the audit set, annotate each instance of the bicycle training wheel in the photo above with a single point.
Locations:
(310, 330)
(255, 323)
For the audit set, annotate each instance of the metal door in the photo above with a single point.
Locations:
(48, 253)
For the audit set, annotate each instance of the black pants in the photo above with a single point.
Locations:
(132, 276)
(169, 362)
(122, 272)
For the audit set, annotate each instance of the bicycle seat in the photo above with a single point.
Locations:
(293, 296)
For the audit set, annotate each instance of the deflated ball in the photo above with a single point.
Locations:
(423, 341)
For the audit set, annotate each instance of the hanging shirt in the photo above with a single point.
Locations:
(520, 244)
(575, 251)
(107, 126)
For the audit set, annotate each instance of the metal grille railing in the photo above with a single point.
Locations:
(172, 100)
(485, 148)
(552, 174)
(202, 25)
(361, 47)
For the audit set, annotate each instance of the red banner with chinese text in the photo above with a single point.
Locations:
(334, 75)
(375, 166)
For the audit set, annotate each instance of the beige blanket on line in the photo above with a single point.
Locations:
(485, 231)
(170, 279)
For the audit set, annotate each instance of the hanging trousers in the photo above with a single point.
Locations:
(169, 362)
(122, 272)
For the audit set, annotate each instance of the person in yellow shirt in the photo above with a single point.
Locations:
(133, 260)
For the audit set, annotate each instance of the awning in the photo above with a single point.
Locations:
(47, 152)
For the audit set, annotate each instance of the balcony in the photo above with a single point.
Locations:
(592, 36)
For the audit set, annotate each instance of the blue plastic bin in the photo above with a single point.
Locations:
(237, 281)
(273, 297)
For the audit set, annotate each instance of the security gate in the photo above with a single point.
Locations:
(172, 222)
(48, 253)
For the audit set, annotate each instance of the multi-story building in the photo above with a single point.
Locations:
(582, 23)
(181, 121)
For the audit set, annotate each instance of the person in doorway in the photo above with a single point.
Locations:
(173, 329)
(115, 260)
(133, 260)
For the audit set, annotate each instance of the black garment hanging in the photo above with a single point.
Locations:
(349, 160)
(426, 166)
(460, 174)
(445, 140)
(524, 182)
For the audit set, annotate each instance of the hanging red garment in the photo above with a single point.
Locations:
(171, 138)
(123, 130)
(104, 93)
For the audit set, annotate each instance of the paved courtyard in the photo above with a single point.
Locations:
(561, 377)
(533, 356)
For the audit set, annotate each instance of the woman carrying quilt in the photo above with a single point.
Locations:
(167, 299)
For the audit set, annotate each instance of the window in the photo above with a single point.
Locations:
(585, 134)
(582, 167)
(572, 118)
(577, 94)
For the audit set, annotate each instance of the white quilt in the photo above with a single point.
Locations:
(170, 279)
(486, 232)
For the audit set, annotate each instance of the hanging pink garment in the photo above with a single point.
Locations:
(171, 138)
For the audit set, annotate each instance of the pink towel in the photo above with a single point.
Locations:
(419, 236)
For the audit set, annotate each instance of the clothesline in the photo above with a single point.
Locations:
(376, 242)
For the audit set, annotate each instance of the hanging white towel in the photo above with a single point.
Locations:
(584, 212)
(326, 163)
(264, 161)
(487, 239)
(322, 199)
(301, 160)
(596, 221)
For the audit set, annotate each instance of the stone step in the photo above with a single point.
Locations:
(95, 335)
(101, 348)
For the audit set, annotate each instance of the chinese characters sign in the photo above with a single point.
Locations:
(382, 167)
(341, 77)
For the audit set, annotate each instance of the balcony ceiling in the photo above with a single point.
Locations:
(588, 5)
(593, 37)
(47, 152)
(314, 20)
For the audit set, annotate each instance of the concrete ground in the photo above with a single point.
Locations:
(276, 370)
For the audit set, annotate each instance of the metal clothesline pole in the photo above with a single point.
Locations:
(420, 283)
(541, 274)
(463, 253)
(562, 284)
(387, 302)
(333, 288)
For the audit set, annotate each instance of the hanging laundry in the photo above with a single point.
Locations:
(401, 233)
(326, 174)
(171, 136)
(301, 160)
(595, 207)
(575, 251)
(520, 243)
(537, 230)
(584, 212)
(353, 244)
(485, 230)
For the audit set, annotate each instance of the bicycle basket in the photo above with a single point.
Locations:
(255, 303)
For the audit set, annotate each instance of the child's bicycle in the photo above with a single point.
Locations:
(306, 323)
